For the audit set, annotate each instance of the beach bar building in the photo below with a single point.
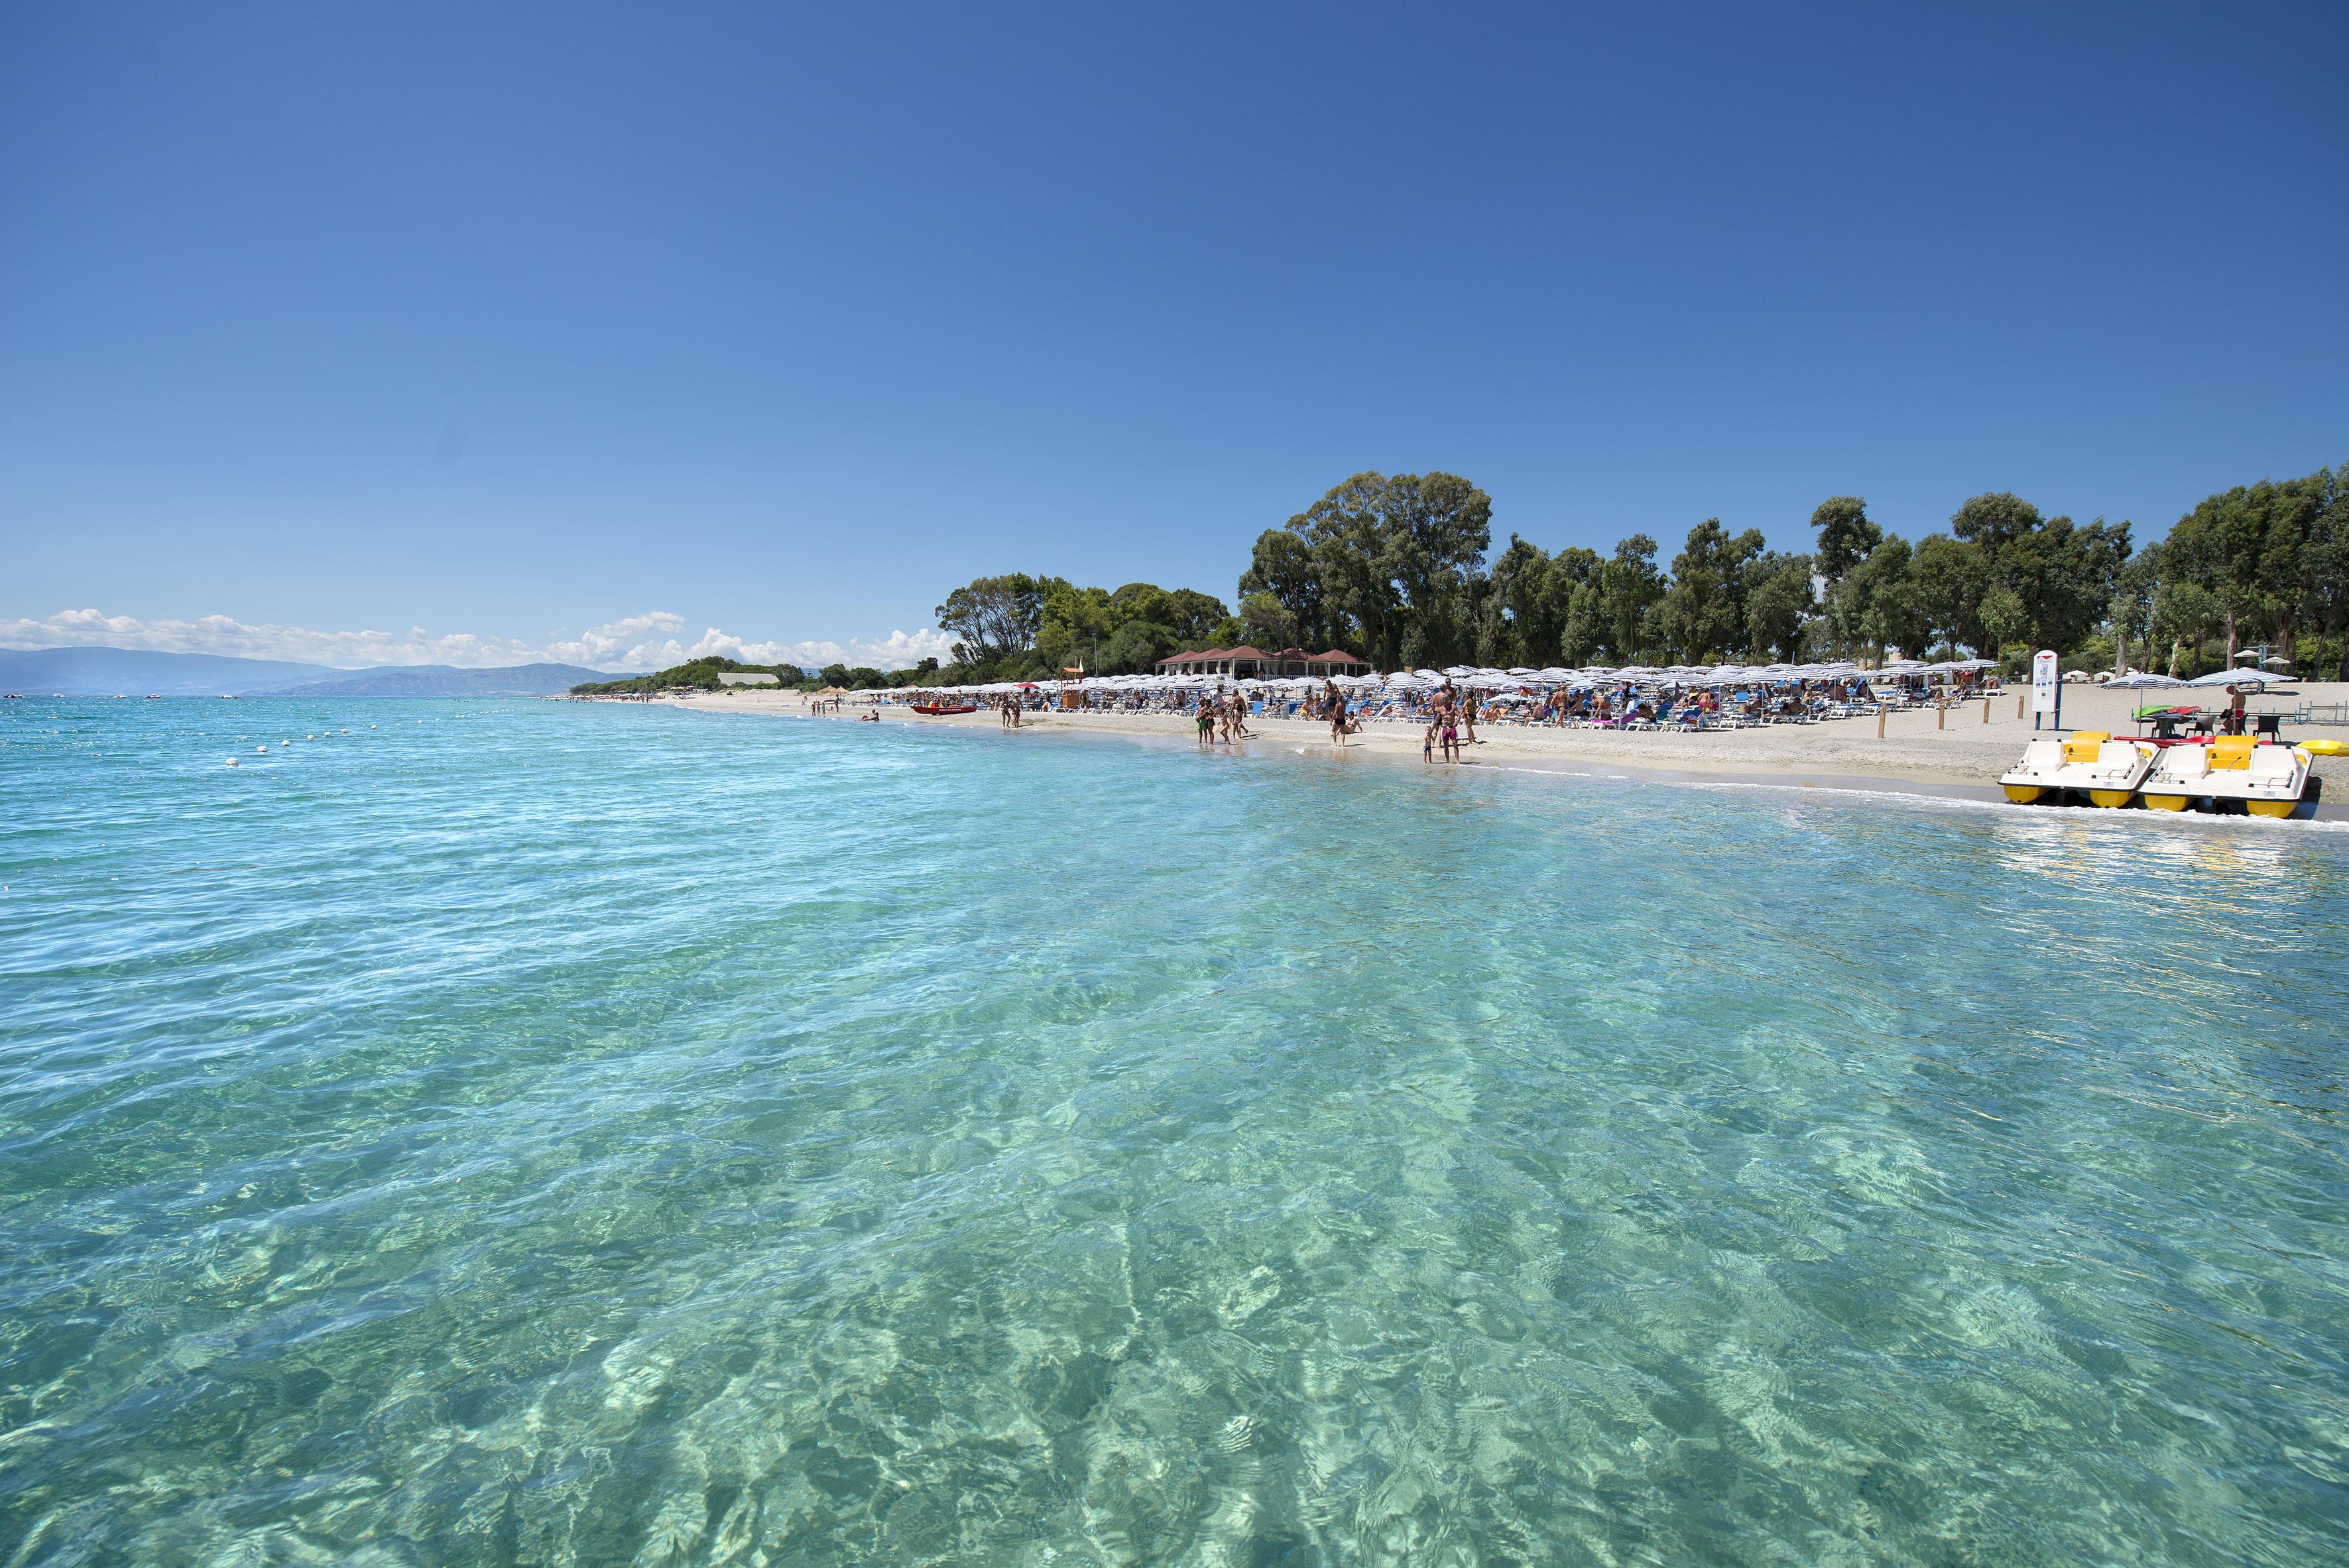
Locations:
(1244, 662)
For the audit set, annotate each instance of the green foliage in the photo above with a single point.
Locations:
(1949, 578)
(1629, 588)
(2263, 561)
(1282, 568)
(1875, 606)
(696, 674)
(992, 618)
(1703, 611)
(1138, 645)
(1402, 557)
(1846, 537)
(1266, 622)
(1018, 627)
(1779, 601)
(1395, 568)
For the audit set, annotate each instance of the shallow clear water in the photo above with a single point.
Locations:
(534, 1133)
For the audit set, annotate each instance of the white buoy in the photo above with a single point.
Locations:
(231, 762)
(284, 743)
(370, 726)
(262, 751)
(346, 732)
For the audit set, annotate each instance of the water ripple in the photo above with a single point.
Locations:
(521, 1132)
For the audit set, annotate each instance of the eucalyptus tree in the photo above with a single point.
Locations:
(1267, 621)
(1439, 528)
(2130, 612)
(993, 618)
(1525, 598)
(1874, 606)
(1951, 577)
(1703, 611)
(1780, 598)
(1282, 568)
(1628, 588)
(2325, 565)
(1401, 554)
(1347, 532)
(1845, 535)
(2215, 549)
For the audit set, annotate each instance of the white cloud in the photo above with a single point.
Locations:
(651, 640)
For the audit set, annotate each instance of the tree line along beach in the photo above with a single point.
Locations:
(1398, 572)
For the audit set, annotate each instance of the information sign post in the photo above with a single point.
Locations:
(2046, 691)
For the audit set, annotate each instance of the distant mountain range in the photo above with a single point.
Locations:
(447, 680)
(104, 672)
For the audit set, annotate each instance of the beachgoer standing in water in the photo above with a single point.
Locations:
(1336, 704)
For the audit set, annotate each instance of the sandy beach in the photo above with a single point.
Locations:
(1959, 751)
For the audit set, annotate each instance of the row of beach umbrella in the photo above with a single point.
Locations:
(1467, 678)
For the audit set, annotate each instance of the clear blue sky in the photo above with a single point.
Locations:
(512, 320)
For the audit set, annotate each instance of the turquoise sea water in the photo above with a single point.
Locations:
(533, 1133)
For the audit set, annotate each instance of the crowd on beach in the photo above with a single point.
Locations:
(1447, 706)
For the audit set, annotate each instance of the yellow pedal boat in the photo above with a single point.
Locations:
(2233, 772)
(2107, 772)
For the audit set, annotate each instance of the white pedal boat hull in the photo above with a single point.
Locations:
(2103, 770)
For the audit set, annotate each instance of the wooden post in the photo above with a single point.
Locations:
(2020, 698)
(1879, 721)
(1940, 715)
(1985, 710)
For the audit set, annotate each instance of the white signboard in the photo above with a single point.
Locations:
(2042, 682)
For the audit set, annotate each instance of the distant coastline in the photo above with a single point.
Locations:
(136, 672)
